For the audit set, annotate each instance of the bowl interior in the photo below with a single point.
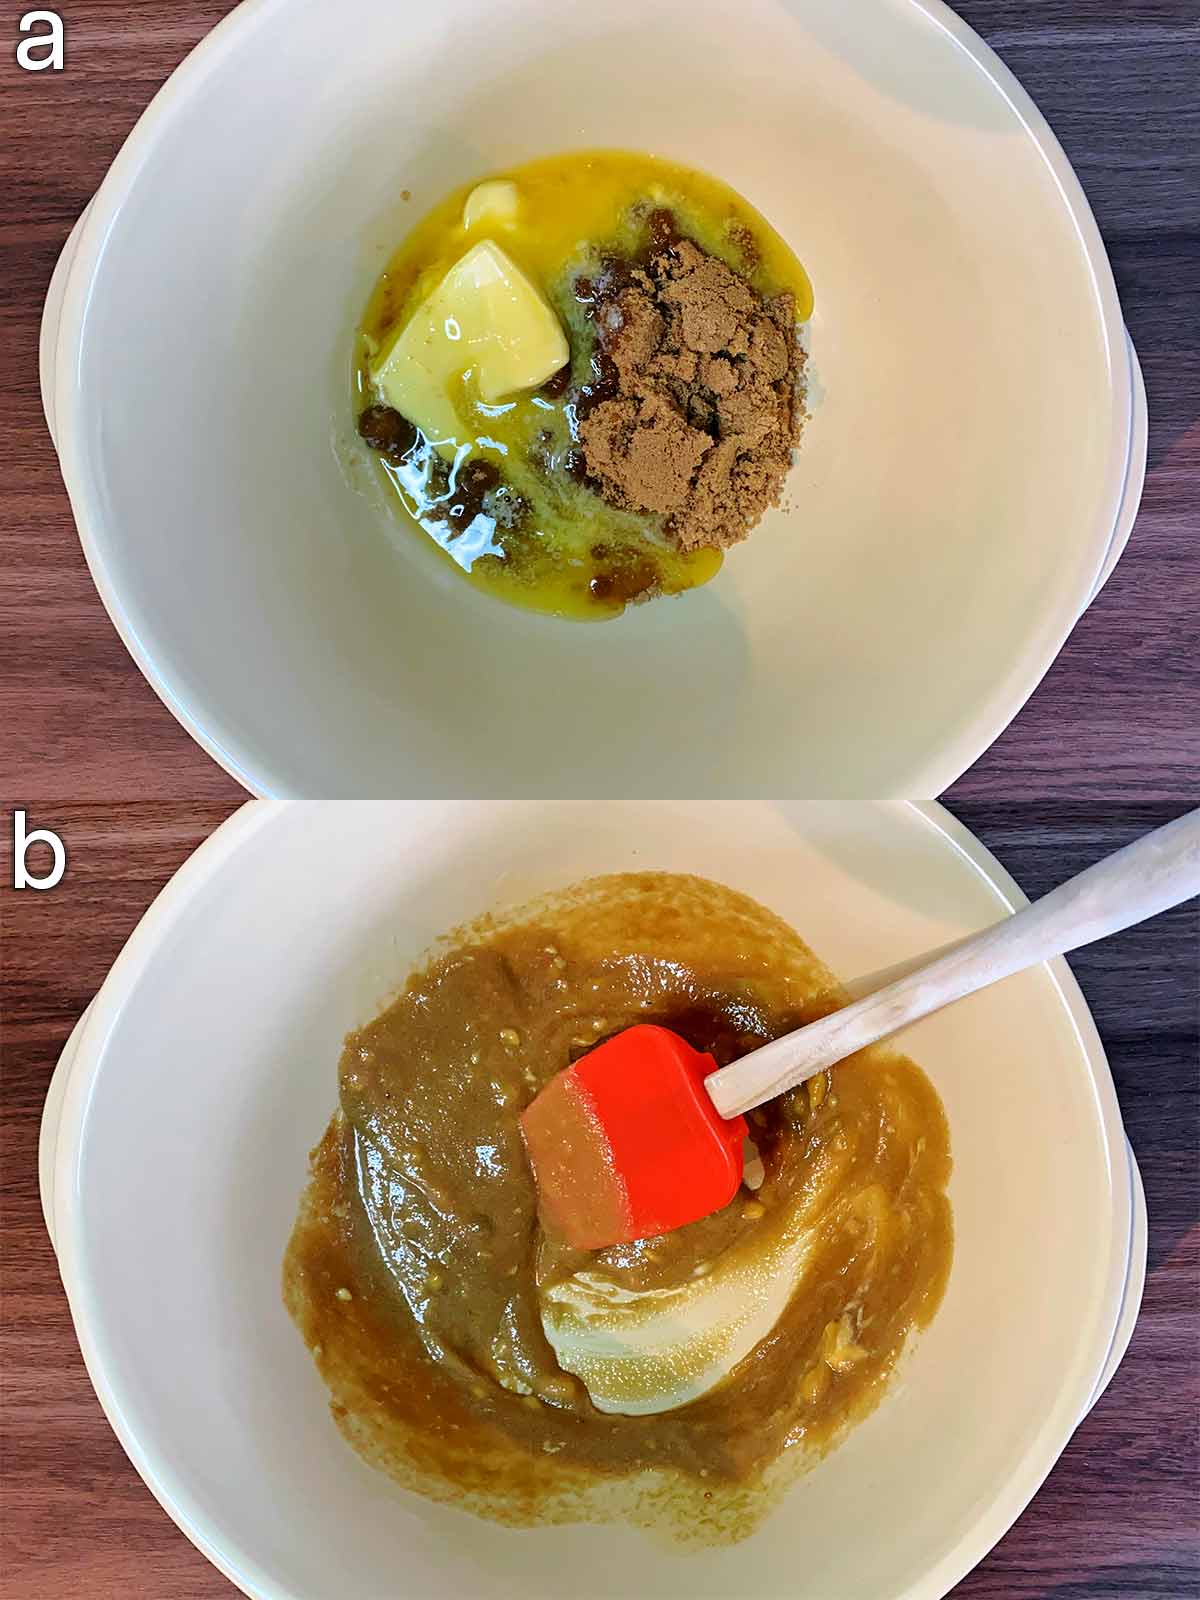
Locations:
(952, 500)
(208, 1072)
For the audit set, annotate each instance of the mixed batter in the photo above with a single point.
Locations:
(679, 1382)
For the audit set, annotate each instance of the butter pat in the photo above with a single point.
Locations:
(486, 318)
(494, 204)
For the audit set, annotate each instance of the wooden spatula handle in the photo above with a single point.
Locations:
(1147, 877)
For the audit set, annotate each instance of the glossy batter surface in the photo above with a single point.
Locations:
(419, 1277)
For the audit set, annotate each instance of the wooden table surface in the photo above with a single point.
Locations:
(1115, 79)
(1117, 1519)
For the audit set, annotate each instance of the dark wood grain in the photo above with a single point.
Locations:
(1115, 716)
(1117, 1519)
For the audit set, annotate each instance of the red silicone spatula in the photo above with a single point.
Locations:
(644, 1134)
(627, 1143)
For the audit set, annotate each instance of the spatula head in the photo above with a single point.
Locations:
(626, 1143)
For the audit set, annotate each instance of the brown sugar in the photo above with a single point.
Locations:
(697, 408)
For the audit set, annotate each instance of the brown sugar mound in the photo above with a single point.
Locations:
(698, 408)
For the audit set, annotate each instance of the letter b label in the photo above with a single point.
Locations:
(23, 878)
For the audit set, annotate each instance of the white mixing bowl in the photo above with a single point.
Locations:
(969, 477)
(174, 1152)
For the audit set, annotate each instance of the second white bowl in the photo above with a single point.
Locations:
(175, 1149)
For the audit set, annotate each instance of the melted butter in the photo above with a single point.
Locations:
(576, 556)
(418, 1274)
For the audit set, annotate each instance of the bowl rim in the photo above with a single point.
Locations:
(203, 866)
(1124, 472)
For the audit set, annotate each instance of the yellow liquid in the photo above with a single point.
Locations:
(575, 555)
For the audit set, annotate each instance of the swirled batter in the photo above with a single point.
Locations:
(444, 1322)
